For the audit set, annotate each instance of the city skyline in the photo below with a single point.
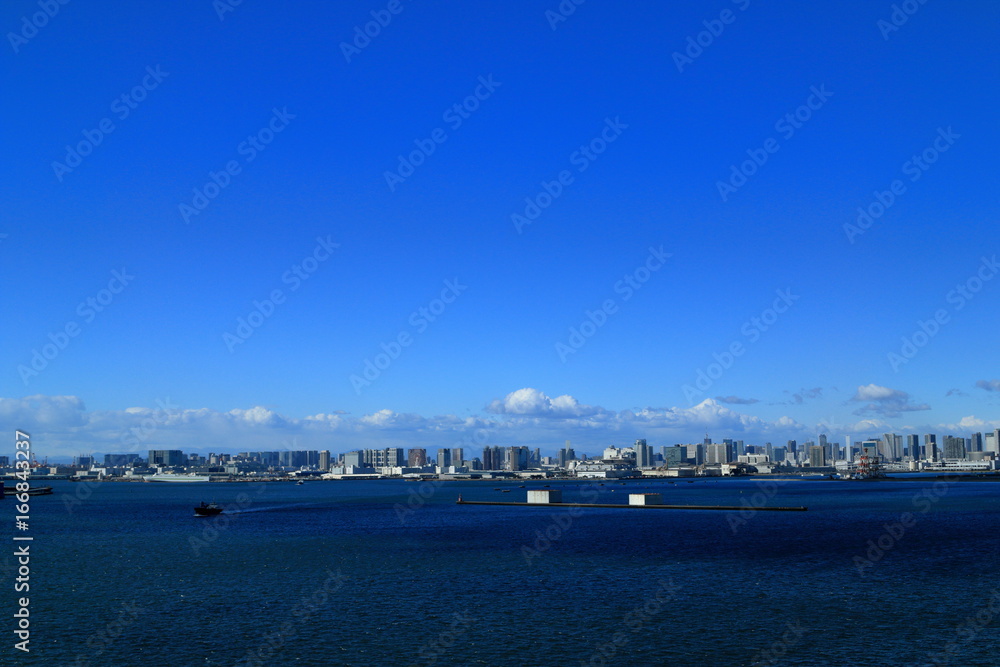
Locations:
(525, 418)
(740, 220)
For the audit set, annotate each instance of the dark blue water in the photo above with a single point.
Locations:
(340, 573)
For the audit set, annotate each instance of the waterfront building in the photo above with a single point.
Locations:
(606, 469)
(976, 442)
(324, 460)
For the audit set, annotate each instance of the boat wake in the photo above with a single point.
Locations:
(275, 508)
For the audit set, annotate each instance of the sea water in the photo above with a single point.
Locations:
(396, 573)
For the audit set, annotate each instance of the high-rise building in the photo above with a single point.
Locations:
(817, 456)
(673, 456)
(444, 458)
(792, 446)
(913, 446)
(991, 442)
(930, 447)
(731, 449)
(570, 454)
(717, 453)
(493, 458)
(395, 457)
(517, 458)
(324, 460)
(954, 448)
(888, 447)
(166, 457)
(117, 460)
(457, 456)
(977, 443)
(871, 447)
(643, 454)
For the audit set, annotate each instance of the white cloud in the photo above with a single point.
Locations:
(61, 426)
(885, 401)
(35, 412)
(736, 400)
(532, 402)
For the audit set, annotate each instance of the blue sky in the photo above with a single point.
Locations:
(642, 139)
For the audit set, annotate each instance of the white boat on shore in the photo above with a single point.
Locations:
(158, 477)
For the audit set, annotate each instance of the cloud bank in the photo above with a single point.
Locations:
(61, 426)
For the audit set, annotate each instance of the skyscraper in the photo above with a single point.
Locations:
(954, 448)
(643, 454)
(444, 458)
(166, 457)
(517, 458)
(930, 447)
(817, 456)
(718, 453)
(913, 446)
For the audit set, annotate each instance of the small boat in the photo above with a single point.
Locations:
(207, 509)
(299, 483)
